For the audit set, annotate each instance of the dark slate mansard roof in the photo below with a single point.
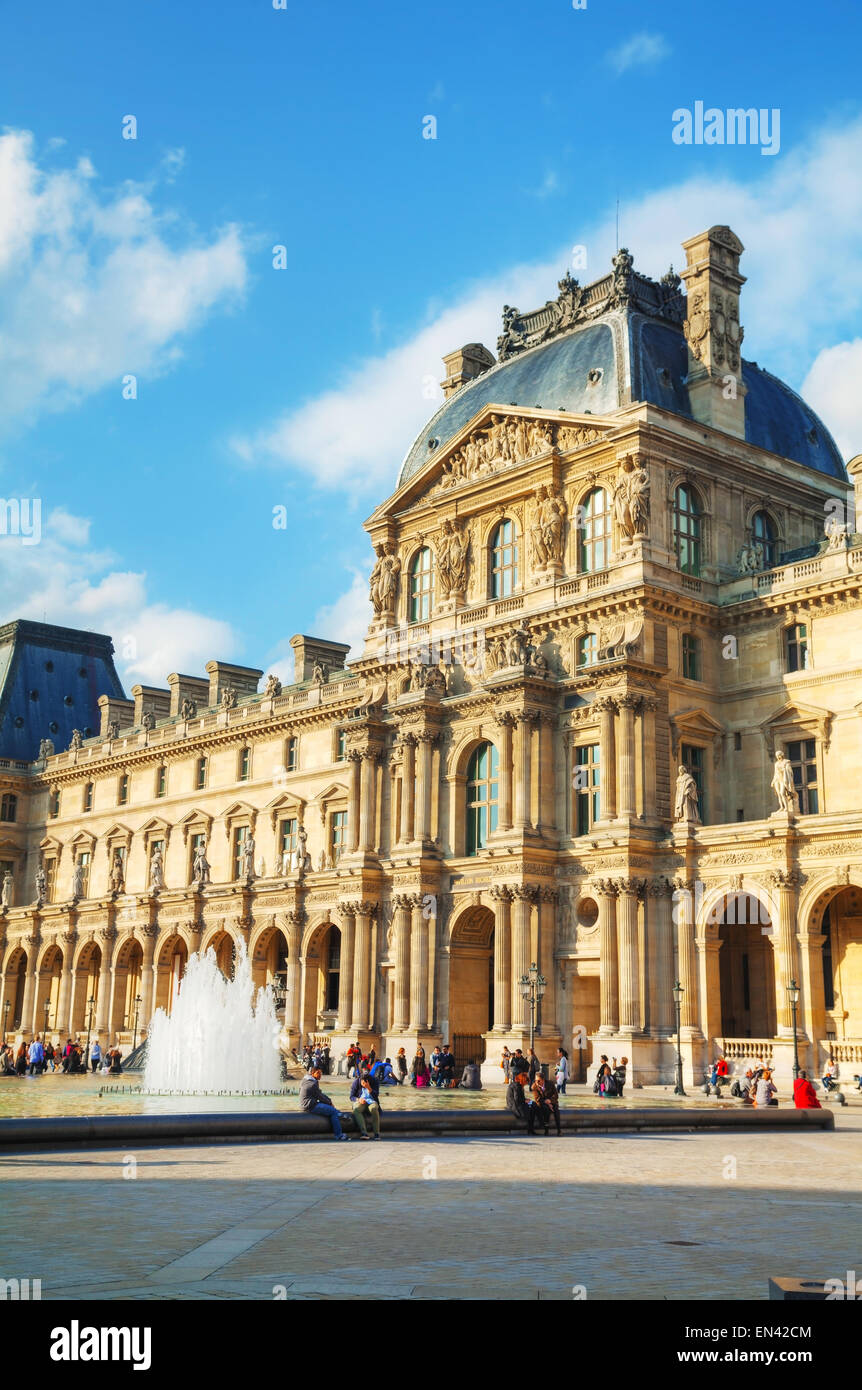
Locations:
(50, 682)
(610, 344)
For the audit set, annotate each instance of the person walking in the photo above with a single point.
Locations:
(49, 1055)
(619, 1074)
(533, 1065)
(35, 1056)
(505, 1059)
(804, 1094)
(366, 1106)
(516, 1101)
(314, 1102)
(21, 1060)
(561, 1074)
(765, 1090)
(96, 1055)
(401, 1065)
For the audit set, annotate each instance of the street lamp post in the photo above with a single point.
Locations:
(532, 986)
(6, 1007)
(91, 1004)
(138, 1002)
(793, 996)
(47, 1011)
(678, 992)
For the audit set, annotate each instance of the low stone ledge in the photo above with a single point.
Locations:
(70, 1131)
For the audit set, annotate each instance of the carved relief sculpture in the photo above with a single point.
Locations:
(546, 529)
(452, 551)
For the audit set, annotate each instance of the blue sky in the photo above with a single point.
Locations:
(303, 127)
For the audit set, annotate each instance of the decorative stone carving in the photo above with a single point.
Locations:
(452, 553)
(228, 698)
(273, 687)
(247, 859)
(631, 498)
(837, 537)
(546, 529)
(118, 873)
(320, 673)
(77, 739)
(502, 442)
(78, 879)
(157, 879)
(782, 784)
(749, 557)
(201, 866)
(685, 799)
(6, 890)
(148, 720)
(41, 886)
(385, 579)
(113, 730)
(46, 748)
(188, 708)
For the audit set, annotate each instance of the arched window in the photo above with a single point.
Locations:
(483, 773)
(588, 649)
(687, 529)
(595, 532)
(763, 534)
(504, 560)
(421, 586)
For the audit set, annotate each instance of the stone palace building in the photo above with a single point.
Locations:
(607, 721)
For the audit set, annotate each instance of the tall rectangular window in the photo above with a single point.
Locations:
(54, 803)
(585, 781)
(8, 807)
(161, 780)
(196, 843)
(239, 839)
(287, 843)
(49, 864)
(88, 797)
(802, 756)
(200, 774)
(692, 760)
(338, 835)
(691, 656)
(796, 647)
(84, 859)
(341, 745)
(244, 771)
(291, 760)
(123, 789)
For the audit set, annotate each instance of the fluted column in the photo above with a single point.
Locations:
(506, 722)
(418, 968)
(785, 885)
(362, 969)
(548, 898)
(64, 1000)
(294, 922)
(353, 800)
(629, 964)
(346, 1010)
(423, 786)
(148, 972)
(607, 758)
(31, 979)
(401, 1014)
(502, 897)
(648, 771)
(627, 803)
(547, 789)
(659, 935)
(107, 937)
(367, 801)
(523, 780)
(408, 787)
(683, 900)
(606, 890)
(524, 896)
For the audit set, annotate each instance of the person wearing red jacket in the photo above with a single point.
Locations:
(804, 1094)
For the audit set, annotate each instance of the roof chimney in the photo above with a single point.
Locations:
(464, 365)
(712, 329)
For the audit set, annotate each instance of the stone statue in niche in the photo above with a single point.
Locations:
(118, 873)
(518, 646)
(631, 499)
(546, 530)
(452, 560)
(387, 586)
(783, 785)
(6, 890)
(749, 557)
(685, 801)
(78, 878)
(374, 581)
(41, 886)
(157, 874)
(248, 857)
(201, 866)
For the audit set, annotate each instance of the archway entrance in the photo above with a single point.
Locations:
(841, 925)
(16, 982)
(327, 996)
(746, 968)
(172, 960)
(269, 965)
(471, 984)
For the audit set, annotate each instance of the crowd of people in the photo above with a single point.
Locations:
(38, 1057)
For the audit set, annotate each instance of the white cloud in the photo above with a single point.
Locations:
(347, 619)
(94, 283)
(641, 50)
(832, 388)
(355, 435)
(58, 582)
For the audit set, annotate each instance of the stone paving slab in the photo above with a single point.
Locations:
(668, 1216)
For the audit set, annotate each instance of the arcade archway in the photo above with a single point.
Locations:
(471, 984)
(746, 967)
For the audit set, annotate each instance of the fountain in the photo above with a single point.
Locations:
(218, 1037)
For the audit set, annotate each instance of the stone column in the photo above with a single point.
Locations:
(366, 803)
(627, 804)
(547, 789)
(785, 885)
(607, 758)
(107, 937)
(524, 896)
(648, 770)
(353, 799)
(408, 787)
(606, 891)
(683, 899)
(363, 1011)
(423, 787)
(659, 935)
(294, 922)
(506, 723)
(629, 965)
(418, 968)
(64, 1001)
(502, 897)
(401, 1013)
(346, 1002)
(31, 980)
(148, 975)
(523, 781)
(548, 898)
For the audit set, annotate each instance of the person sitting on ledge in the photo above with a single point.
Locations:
(314, 1102)
(516, 1101)
(546, 1101)
(830, 1076)
(470, 1079)
(804, 1094)
(366, 1106)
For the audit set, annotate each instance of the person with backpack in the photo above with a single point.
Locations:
(561, 1075)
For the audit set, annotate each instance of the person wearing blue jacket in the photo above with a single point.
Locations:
(365, 1099)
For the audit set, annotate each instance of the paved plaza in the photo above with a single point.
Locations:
(665, 1216)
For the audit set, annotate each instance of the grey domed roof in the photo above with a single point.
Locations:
(630, 348)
